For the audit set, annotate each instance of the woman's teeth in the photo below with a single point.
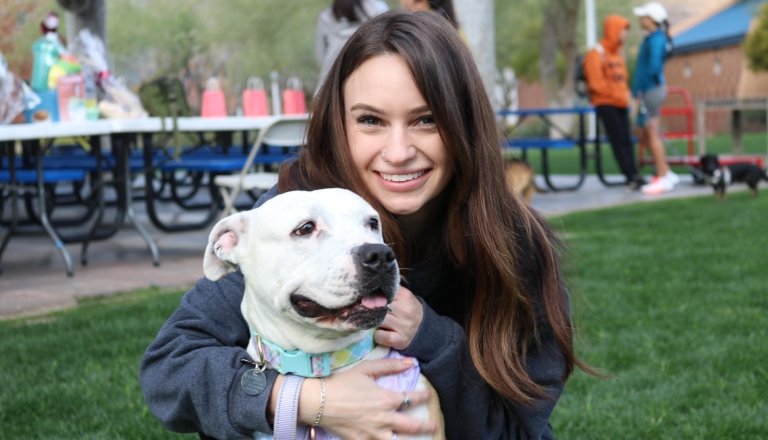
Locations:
(402, 177)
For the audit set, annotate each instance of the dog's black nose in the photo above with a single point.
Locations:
(377, 257)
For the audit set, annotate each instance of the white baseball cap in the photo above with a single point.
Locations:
(655, 10)
(51, 21)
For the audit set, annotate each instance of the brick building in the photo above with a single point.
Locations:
(708, 60)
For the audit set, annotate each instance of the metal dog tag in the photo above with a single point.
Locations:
(253, 382)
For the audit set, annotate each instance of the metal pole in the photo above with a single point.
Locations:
(591, 27)
(591, 31)
(275, 93)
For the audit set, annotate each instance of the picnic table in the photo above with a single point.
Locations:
(545, 144)
(111, 143)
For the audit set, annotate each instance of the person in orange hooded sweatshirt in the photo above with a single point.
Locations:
(606, 74)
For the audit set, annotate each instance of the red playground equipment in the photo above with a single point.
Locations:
(683, 107)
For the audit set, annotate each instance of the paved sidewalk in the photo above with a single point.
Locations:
(34, 280)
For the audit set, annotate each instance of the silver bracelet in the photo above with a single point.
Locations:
(319, 416)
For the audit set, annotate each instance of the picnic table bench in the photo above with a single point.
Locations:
(34, 175)
(564, 140)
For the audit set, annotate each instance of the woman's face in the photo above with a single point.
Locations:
(647, 24)
(392, 136)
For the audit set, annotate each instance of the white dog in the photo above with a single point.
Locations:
(318, 280)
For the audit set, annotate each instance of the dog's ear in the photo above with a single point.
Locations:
(226, 236)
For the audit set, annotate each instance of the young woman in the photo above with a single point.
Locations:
(650, 88)
(337, 23)
(404, 121)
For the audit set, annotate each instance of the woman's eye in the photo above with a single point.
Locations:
(427, 120)
(305, 229)
(368, 120)
(373, 223)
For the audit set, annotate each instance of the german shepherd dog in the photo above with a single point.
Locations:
(721, 176)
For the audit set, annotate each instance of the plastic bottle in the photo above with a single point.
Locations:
(91, 98)
(45, 53)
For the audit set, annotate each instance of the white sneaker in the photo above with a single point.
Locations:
(662, 184)
(673, 177)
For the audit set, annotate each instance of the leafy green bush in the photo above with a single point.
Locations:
(756, 46)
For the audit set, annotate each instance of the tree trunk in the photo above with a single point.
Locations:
(558, 36)
(86, 14)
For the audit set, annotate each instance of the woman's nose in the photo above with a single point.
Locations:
(400, 147)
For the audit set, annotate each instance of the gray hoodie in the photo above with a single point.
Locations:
(333, 33)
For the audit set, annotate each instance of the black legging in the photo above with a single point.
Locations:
(615, 121)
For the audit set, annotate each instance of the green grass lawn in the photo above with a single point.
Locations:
(670, 299)
(74, 374)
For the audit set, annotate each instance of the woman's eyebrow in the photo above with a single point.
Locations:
(370, 108)
(366, 107)
(422, 109)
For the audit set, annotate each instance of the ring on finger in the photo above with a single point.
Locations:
(406, 402)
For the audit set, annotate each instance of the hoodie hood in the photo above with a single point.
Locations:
(612, 28)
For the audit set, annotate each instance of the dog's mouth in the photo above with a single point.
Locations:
(367, 312)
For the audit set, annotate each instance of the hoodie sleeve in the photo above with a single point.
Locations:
(190, 374)
(321, 37)
(471, 408)
(593, 70)
(657, 49)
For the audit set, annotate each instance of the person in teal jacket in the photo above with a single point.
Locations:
(649, 88)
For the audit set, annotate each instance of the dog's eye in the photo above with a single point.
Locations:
(305, 229)
(373, 223)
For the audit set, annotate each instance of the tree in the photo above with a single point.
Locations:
(540, 41)
(518, 26)
(19, 28)
(11, 19)
(559, 47)
(86, 14)
(756, 46)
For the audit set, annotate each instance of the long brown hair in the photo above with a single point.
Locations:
(352, 10)
(495, 240)
(445, 8)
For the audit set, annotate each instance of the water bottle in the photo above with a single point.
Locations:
(45, 52)
(91, 97)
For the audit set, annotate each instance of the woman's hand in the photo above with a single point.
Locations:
(358, 408)
(402, 322)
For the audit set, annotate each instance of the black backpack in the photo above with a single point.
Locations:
(165, 96)
(580, 76)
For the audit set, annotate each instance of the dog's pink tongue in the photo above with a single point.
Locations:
(374, 302)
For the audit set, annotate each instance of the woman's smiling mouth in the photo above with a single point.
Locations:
(402, 177)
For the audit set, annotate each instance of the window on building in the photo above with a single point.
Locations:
(717, 67)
